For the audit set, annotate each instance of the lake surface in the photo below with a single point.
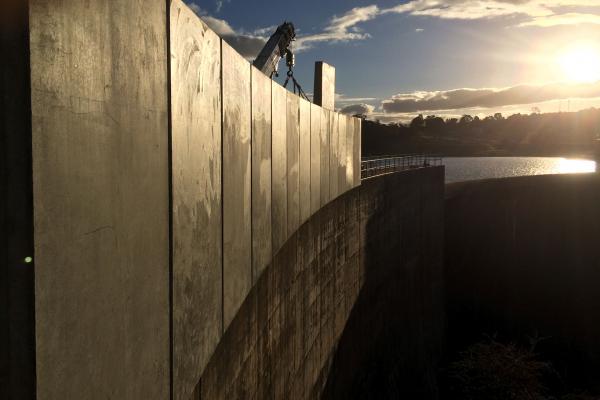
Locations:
(470, 168)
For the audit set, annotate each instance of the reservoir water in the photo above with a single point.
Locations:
(470, 168)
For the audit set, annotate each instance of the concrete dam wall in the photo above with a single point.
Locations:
(522, 260)
(149, 177)
(363, 274)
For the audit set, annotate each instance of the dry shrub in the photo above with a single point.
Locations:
(495, 371)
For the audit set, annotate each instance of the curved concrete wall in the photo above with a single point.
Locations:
(379, 245)
(522, 260)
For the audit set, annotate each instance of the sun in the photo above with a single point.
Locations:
(580, 63)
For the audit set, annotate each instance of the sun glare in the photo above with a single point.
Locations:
(581, 63)
(575, 166)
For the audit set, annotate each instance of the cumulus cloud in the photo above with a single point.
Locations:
(487, 98)
(361, 108)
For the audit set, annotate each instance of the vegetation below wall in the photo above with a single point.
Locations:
(553, 134)
(493, 370)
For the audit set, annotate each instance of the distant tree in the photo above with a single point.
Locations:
(498, 117)
(466, 119)
(434, 123)
(417, 122)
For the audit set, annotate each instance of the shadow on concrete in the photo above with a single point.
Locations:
(392, 343)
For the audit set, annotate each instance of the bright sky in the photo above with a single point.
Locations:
(394, 59)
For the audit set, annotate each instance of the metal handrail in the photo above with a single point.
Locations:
(371, 167)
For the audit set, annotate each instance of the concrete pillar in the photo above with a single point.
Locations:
(324, 92)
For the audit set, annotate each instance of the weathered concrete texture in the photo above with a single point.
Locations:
(324, 168)
(261, 173)
(393, 339)
(196, 184)
(324, 89)
(342, 148)
(101, 198)
(315, 158)
(281, 345)
(17, 307)
(304, 188)
(333, 155)
(293, 160)
(357, 152)
(522, 260)
(237, 241)
(349, 152)
(279, 176)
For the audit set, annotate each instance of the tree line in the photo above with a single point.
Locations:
(549, 134)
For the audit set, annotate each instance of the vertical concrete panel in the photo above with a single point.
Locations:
(349, 152)
(237, 242)
(293, 159)
(261, 173)
(324, 90)
(315, 158)
(333, 155)
(325, 156)
(357, 150)
(279, 176)
(342, 123)
(101, 198)
(304, 160)
(197, 206)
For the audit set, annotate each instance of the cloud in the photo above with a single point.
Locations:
(341, 28)
(354, 109)
(247, 44)
(341, 98)
(195, 8)
(543, 13)
(563, 19)
(346, 27)
(487, 98)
